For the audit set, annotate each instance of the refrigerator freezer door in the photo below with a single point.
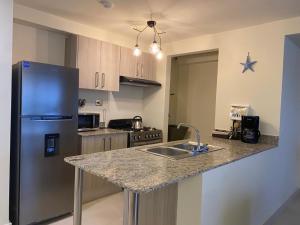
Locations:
(48, 89)
(46, 181)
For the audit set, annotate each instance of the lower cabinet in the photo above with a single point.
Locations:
(159, 207)
(95, 187)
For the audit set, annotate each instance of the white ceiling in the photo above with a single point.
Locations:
(179, 18)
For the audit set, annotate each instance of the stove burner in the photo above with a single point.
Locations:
(145, 136)
(144, 129)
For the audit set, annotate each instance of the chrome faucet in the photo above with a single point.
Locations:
(197, 134)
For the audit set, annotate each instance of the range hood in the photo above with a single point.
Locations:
(138, 82)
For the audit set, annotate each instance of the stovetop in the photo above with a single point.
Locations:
(147, 135)
(144, 129)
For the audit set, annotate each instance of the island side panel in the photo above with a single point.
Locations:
(159, 207)
(189, 203)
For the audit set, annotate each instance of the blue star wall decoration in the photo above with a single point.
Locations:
(248, 65)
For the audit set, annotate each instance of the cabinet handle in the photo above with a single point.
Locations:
(137, 70)
(110, 143)
(142, 70)
(103, 80)
(96, 79)
(104, 143)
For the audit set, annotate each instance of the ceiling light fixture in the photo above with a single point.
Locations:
(155, 47)
(106, 3)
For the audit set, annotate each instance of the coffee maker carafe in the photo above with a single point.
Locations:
(250, 129)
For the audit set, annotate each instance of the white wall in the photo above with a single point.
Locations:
(173, 97)
(126, 103)
(6, 22)
(291, 98)
(265, 44)
(251, 190)
(156, 100)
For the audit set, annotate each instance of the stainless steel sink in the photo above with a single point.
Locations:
(181, 151)
(190, 146)
(169, 152)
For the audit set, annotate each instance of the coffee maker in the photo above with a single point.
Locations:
(250, 129)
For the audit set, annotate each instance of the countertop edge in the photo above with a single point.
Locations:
(102, 131)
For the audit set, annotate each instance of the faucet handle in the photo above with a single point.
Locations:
(201, 148)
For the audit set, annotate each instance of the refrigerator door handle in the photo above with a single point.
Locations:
(110, 143)
(51, 118)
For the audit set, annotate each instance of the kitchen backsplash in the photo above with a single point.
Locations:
(126, 103)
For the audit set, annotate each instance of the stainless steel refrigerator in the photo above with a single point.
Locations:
(43, 133)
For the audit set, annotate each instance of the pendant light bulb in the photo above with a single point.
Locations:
(159, 55)
(137, 51)
(154, 48)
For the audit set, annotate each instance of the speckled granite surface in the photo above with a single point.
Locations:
(139, 171)
(105, 131)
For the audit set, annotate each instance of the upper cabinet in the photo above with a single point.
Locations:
(98, 62)
(128, 63)
(110, 64)
(143, 67)
(101, 63)
(148, 66)
(88, 62)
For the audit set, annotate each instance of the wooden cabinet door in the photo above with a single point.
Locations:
(92, 144)
(118, 141)
(148, 68)
(152, 72)
(88, 62)
(110, 67)
(95, 187)
(128, 63)
(115, 141)
(159, 207)
(91, 184)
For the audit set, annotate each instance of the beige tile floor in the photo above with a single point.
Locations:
(105, 211)
(289, 214)
(109, 211)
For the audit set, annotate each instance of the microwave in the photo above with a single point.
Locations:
(88, 121)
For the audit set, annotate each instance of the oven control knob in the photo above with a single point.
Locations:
(139, 137)
(146, 136)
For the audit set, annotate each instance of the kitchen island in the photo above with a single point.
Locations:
(140, 172)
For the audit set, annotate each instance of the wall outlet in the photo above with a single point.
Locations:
(99, 102)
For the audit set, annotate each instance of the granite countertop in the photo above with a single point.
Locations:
(104, 131)
(139, 171)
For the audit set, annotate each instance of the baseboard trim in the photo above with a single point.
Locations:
(273, 218)
(8, 224)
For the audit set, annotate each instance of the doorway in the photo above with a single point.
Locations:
(193, 86)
